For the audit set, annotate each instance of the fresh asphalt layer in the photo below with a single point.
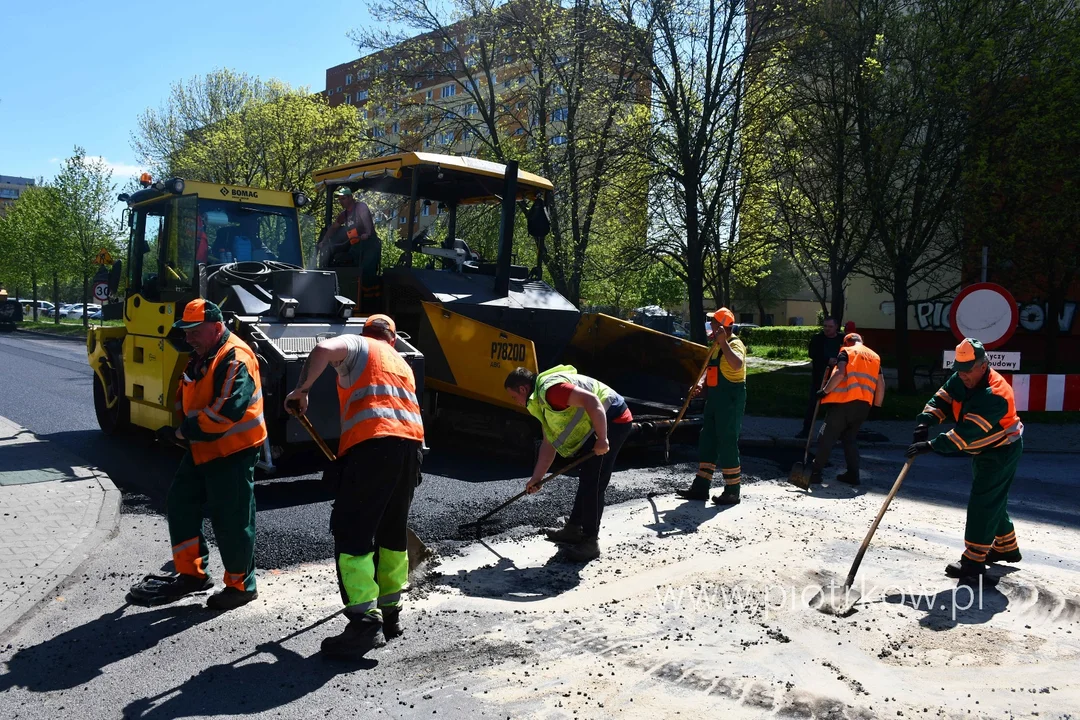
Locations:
(48, 389)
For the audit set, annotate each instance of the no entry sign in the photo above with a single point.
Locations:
(986, 312)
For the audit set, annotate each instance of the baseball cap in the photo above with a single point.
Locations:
(197, 312)
(381, 320)
(343, 191)
(968, 353)
(724, 316)
(852, 338)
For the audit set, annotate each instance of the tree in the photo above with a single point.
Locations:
(239, 130)
(563, 107)
(32, 240)
(776, 281)
(697, 57)
(934, 76)
(86, 194)
(1022, 177)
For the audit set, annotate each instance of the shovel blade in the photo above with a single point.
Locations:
(835, 600)
(798, 477)
(419, 553)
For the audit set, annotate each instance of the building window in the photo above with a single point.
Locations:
(419, 84)
(384, 67)
(427, 142)
(558, 140)
(446, 138)
(428, 95)
(361, 96)
(431, 75)
(348, 79)
(447, 46)
(449, 91)
(520, 131)
(746, 318)
(402, 220)
(507, 59)
(395, 128)
(471, 40)
(470, 86)
(521, 81)
(379, 131)
(426, 211)
(470, 62)
(339, 89)
(560, 114)
(561, 60)
(557, 89)
(534, 121)
(365, 75)
(507, 84)
(452, 66)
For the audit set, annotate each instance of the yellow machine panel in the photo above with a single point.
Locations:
(152, 366)
(474, 358)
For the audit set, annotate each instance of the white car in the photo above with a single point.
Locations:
(45, 308)
(76, 311)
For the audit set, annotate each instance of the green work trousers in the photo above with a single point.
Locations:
(718, 445)
(226, 486)
(988, 522)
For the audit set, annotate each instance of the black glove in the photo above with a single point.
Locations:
(916, 449)
(167, 436)
(921, 434)
(822, 393)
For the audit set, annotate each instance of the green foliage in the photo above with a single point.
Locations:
(778, 336)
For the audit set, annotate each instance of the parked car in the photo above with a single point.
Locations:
(76, 310)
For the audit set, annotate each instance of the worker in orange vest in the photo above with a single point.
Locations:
(220, 398)
(855, 384)
(379, 457)
(981, 404)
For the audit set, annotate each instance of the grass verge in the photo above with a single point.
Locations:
(65, 328)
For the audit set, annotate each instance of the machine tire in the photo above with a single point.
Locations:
(115, 420)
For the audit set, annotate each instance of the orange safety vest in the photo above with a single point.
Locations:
(198, 395)
(861, 379)
(382, 402)
(1010, 428)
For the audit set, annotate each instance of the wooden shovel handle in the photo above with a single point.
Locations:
(877, 520)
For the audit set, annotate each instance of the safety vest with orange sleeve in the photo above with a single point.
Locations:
(221, 399)
(860, 378)
(985, 415)
(377, 394)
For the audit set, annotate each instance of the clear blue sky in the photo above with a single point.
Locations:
(80, 72)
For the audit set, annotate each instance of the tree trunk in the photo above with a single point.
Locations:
(903, 349)
(85, 299)
(56, 297)
(33, 294)
(837, 311)
(761, 313)
(695, 281)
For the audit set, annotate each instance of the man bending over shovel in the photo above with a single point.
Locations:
(578, 414)
(980, 402)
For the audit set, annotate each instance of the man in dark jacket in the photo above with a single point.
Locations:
(824, 347)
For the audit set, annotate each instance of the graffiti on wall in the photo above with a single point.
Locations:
(935, 316)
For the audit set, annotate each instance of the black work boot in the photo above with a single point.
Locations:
(815, 477)
(966, 569)
(1011, 556)
(730, 496)
(391, 621)
(584, 551)
(848, 478)
(571, 533)
(360, 636)
(230, 598)
(166, 588)
(699, 490)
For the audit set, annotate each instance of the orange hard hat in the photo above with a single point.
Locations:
(724, 316)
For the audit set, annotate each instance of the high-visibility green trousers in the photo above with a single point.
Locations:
(988, 523)
(227, 487)
(718, 445)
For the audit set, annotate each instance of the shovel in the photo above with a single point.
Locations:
(418, 552)
(799, 477)
(686, 403)
(480, 521)
(835, 600)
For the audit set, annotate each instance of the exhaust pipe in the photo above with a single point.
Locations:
(506, 230)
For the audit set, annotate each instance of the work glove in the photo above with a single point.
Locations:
(922, 434)
(916, 449)
(822, 393)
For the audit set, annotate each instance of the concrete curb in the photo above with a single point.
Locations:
(68, 338)
(106, 526)
(782, 442)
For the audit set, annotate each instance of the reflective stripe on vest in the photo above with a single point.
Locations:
(198, 397)
(567, 430)
(860, 380)
(382, 402)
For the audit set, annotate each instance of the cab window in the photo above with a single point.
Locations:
(241, 232)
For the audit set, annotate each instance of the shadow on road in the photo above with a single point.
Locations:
(231, 690)
(506, 581)
(683, 519)
(77, 656)
(974, 604)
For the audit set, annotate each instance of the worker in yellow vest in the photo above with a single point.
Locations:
(724, 385)
(855, 384)
(220, 396)
(379, 457)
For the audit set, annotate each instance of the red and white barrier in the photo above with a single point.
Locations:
(1045, 392)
